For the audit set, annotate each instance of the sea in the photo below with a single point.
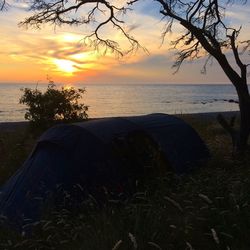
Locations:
(109, 100)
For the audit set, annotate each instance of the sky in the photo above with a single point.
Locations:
(30, 56)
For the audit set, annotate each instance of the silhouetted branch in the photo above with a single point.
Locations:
(3, 5)
(206, 34)
(204, 67)
(132, 2)
(236, 52)
(246, 46)
(229, 127)
(58, 13)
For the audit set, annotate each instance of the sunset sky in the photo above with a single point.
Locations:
(28, 56)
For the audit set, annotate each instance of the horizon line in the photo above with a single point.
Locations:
(106, 83)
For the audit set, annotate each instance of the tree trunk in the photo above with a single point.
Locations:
(244, 105)
(240, 136)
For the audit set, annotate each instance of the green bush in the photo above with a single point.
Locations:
(53, 106)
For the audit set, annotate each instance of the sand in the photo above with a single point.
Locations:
(14, 126)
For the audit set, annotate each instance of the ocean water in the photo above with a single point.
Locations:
(108, 100)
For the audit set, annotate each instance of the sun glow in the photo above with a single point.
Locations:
(65, 66)
(68, 86)
(83, 56)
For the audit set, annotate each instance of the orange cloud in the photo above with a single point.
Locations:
(31, 55)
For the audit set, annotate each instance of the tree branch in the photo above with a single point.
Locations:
(58, 14)
(242, 66)
(3, 5)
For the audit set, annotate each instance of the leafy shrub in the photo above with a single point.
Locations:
(53, 106)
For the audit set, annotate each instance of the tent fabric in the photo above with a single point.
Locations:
(81, 153)
(182, 146)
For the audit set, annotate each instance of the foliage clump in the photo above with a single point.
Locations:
(53, 106)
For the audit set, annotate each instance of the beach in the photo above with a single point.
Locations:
(208, 117)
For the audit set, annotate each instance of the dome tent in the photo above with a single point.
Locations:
(81, 153)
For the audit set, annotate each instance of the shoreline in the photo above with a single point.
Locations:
(208, 116)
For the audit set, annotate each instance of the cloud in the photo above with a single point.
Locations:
(38, 50)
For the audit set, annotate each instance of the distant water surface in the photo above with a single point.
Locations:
(108, 100)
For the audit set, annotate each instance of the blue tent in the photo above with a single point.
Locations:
(82, 153)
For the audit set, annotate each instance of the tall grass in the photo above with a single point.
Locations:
(208, 209)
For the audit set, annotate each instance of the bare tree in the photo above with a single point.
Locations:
(3, 4)
(206, 33)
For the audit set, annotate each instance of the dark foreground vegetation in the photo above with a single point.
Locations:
(208, 209)
(53, 106)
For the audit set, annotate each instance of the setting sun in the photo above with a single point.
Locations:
(65, 66)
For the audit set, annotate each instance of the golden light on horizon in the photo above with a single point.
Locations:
(67, 86)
